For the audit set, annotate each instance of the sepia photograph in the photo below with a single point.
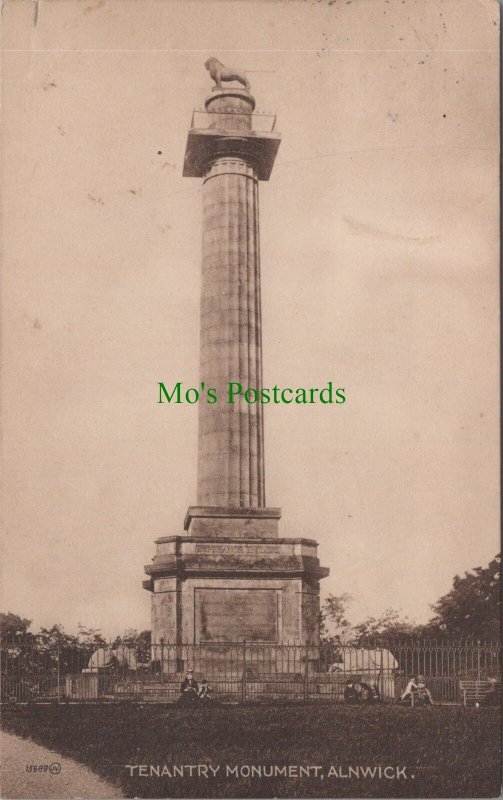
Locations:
(250, 399)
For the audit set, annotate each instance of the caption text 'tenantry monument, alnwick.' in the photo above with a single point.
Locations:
(231, 578)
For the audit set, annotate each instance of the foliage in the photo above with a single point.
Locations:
(52, 650)
(140, 642)
(472, 609)
(90, 637)
(388, 625)
(13, 625)
(334, 627)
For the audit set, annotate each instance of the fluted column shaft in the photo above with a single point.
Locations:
(231, 439)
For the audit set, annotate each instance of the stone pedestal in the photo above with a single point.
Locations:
(230, 578)
(207, 590)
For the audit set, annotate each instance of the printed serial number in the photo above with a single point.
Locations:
(52, 768)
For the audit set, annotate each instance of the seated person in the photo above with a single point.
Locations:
(205, 691)
(365, 692)
(189, 689)
(493, 696)
(362, 690)
(375, 694)
(411, 687)
(423, 694)
(350, 693)
(417, 691)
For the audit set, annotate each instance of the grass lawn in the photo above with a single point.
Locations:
(451, 751)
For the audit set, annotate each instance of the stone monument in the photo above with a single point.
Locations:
(230, 577)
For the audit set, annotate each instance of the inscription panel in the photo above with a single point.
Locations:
(245, 549)
(232, 615)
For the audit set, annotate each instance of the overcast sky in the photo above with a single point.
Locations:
(379, 232)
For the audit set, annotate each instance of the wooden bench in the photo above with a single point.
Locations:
(475, 691)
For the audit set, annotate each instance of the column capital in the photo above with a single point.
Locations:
(230, 165)
(228, 127)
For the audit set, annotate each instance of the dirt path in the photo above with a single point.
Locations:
(72, 780)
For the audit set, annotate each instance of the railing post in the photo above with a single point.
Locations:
(478, 659)
(59, 675)
(306, 675)
(243, 679)
(162, 659)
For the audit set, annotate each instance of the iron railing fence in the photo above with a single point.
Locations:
(38, 668)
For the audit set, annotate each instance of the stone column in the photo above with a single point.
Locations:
(231, 157)
(231, 438)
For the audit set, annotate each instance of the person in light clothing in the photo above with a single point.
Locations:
(418, 691)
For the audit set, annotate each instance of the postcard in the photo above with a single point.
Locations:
(250, 371)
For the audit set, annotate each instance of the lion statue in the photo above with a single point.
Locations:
(220, 73)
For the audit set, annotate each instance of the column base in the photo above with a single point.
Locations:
(238, 523)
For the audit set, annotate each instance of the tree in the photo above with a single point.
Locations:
(334, 627)
(389, 625)
(90, 637)
(472, 609)
(13, 625)
(139, 642)
(54, 644)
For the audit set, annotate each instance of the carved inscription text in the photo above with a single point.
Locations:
(245, 549)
